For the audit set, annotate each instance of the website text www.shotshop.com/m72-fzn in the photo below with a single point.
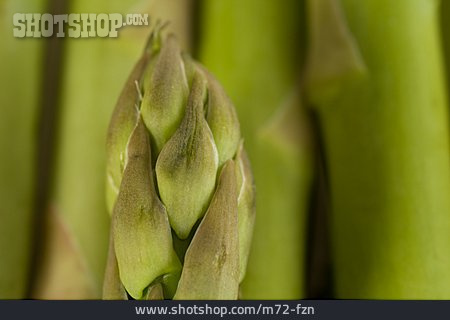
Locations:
(261, 309)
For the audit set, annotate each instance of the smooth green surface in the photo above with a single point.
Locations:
(386, 141)
(445, 31)
(20, 65)
(254, 49)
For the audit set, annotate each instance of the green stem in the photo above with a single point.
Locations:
(445, 31)
(376, 79)
(20, 78)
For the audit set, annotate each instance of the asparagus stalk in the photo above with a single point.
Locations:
(94, 71)
(445, 31)
(254, 50)
(376, 80)
(19, 99)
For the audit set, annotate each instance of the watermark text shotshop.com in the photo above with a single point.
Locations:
(74, 25)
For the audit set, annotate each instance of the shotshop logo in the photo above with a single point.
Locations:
(74, 25)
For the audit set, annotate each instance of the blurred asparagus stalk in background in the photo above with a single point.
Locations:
(376, 78)
(21, 69)
(94, 72)
(254, 50)
(445, 27)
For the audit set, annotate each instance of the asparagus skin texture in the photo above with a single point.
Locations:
(376, 80)
(255, 51)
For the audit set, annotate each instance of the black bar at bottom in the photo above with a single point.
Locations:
(297, 309)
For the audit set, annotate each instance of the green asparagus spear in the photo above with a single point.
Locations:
(179, 183)
(376, 79)
(445, 31)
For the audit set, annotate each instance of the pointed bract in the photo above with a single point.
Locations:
(166, 95)
(223, 121)
(211, 264)
(187, 166)
(142, 238)
(122, 124)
